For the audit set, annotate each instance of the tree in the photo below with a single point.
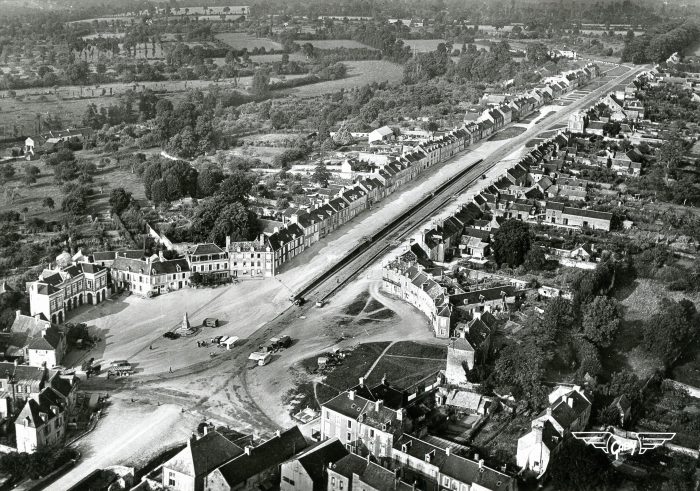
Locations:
(511, 243)
(537, 53)
(261, 83)
(601, 321)
(557, 318)
(234, 221)
(119, 200)
(208, 181)
(75, 202)
(535, 259)
(48, 203)
(520, 368)
(7, 172)
(671, 329)
(31, 172)
(577, 466)
(321, 174)
(236, 188)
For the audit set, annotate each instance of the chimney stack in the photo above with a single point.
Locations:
(448, 451)
(362, 382)
(351, 395)
(481, 464)
(378, 405)
(205, 430)
(228, 242)
(570, 401)
(248, 449)
(278, 434)
(17, 314)
(476, 457)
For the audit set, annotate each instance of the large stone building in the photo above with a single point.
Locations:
(58, 291)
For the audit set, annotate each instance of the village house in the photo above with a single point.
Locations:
(42, 421)
(188, 469)
(486, 300)
(380, 135)
(210, 261)
(558, 214)
(17, 384)
(569, 410)
(438, 467)
(41, 343)
(367, 420)
(307, 471)
(251, 259)
(150, 276)
(405, 278)
(60, 290)
(354, 473)
(256, 465)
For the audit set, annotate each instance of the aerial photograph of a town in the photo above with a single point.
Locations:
(350, 245)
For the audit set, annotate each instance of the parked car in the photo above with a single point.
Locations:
(211, 322)
(171, 335)
(216, 339)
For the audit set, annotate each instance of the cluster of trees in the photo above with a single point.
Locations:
(670, 331)
(226, 213)
(37, 464)
(186, 129)
(569, 335)
(167, 180)
(659, 43)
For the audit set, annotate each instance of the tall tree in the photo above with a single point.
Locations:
(511, 243)
(601, 321)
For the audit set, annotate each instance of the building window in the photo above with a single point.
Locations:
(171, 479)
(288, 481)
(349, 437)
(349, 423)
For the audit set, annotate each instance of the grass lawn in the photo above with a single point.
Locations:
(508, 133)
(355, 365)
(240, 40)
(359, 73)
(418, 350)
(403, 372)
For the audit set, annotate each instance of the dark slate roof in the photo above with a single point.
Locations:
(601, 215)
(268, 454)
(556, 206)
(202, 249)
(171, 266)
(349, 465)
(90, 268)
(203, 455)
(468, 472)
(489, 294)
(315, 459)
(378, 477)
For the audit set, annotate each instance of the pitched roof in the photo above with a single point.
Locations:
(203, 455)
(268, 454)
(315, 459)
(349, 465)
(201, 249)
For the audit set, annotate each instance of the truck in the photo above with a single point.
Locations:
(260, 358)
(211, 322)
(230, 342)
(120, 368)
(281, 342)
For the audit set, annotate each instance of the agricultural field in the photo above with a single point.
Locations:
(336, 43)
(241, 40)
(359, 73)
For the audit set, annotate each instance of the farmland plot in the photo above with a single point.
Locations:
(240, 40)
